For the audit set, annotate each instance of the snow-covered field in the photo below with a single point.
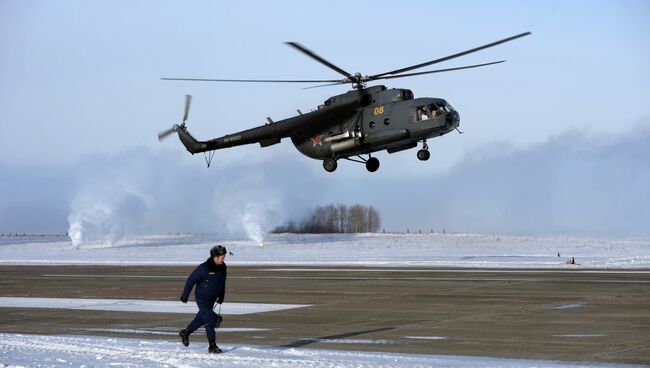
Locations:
(384, 250)
(431, 250)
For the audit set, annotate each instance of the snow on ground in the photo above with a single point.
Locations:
(85, 351)
(442, 250)
(383, 250)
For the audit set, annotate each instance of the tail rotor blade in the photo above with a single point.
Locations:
(188, 103)
(165, 133)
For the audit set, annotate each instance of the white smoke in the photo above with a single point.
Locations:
(139, 192)
(104, 214)
(249, 206)
(114, 197)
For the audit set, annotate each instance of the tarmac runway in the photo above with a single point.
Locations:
(571, 315)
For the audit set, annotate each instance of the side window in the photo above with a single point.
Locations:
(421, 113)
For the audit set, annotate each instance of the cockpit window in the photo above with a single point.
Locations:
(432, 110)
(439, 107)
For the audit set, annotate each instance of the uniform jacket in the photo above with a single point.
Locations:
(210, 281)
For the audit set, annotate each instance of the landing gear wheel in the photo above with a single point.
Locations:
(329, 164)
(423, 155)
(372, 164)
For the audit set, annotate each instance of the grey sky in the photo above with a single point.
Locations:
(80, 87)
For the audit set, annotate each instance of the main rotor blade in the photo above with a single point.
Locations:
(439, 70)
(188, 102)
(328, 84)
(398, 71)
(311, 54)
(254, 80)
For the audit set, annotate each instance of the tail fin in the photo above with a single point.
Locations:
(193, 146)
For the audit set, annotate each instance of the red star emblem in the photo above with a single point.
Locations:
(315, 140)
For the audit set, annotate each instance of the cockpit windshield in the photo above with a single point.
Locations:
(440, 106)
(433, 110)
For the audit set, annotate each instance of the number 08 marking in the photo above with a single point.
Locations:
(378, 110)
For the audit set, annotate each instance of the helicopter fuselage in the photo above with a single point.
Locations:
(388, 119)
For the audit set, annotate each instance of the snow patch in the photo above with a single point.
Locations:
(138, 305)
(78, 351)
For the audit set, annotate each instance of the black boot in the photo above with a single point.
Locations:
(185, 336)
(213, 348)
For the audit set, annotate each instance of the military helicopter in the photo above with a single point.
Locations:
(348, 126)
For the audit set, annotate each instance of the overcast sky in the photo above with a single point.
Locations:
(81, 101)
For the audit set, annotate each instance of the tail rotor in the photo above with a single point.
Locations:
(188, 103)
(165, 133)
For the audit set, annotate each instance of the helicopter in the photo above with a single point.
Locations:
(347, 126)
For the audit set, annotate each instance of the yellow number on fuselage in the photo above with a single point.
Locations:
(378, 110)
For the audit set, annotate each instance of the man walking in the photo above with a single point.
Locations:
(210, 280)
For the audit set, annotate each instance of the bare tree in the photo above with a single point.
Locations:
(344, 219)
(374, 220)
(357, 218)
(332, 219)
(337, 219)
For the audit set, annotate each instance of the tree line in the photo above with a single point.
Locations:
(337, 218)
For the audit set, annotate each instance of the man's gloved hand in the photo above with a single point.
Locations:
(219, 301)
(184, 299)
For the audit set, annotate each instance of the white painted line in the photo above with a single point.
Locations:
(568, 306)
(581, 335)
(138, 305)
(514, 270)
(142, 331)
(348, 341)
(470, 279)
(426, 337)
(94, 276)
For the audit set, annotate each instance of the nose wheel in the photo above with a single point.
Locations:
(424, 153)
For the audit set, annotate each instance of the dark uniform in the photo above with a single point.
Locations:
(210, 281)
